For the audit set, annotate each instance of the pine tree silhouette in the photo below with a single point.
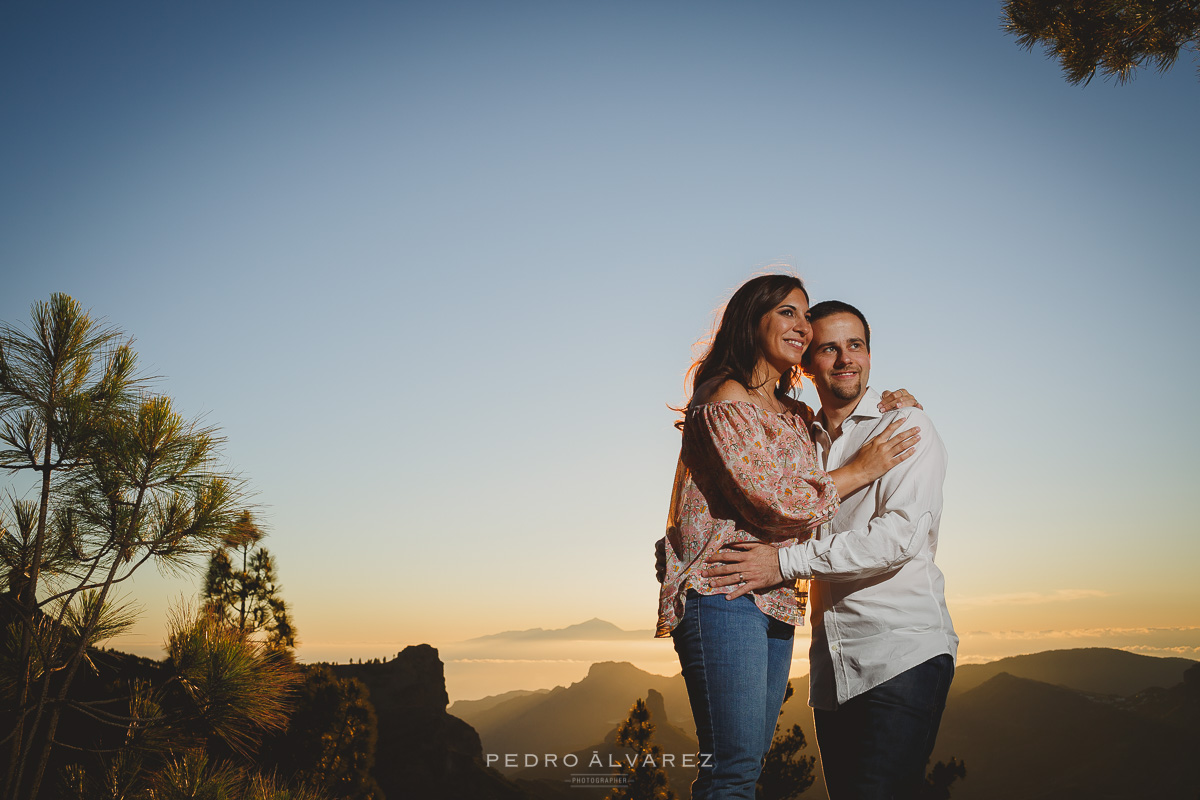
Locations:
(646, 779)
(241, 586)
(785, 775)
(941, 777)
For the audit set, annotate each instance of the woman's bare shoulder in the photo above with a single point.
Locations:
(720, 390)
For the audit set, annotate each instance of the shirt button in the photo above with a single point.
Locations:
(834, 649)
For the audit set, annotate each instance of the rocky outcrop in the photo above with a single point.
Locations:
(423, 752)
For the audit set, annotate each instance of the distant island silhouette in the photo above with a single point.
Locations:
(594, 629)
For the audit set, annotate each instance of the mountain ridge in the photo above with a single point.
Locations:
(1098, 670)
(594, 629)
(569, 718)
(1025, 738)
(997, 720)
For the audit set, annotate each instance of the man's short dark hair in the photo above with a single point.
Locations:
(827, 308)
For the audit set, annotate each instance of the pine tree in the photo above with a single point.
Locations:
(784, 775)
(241, 587)
(122, 480)
(330, 739)
(195, 729)
(1114, 37)
(645, 778)
(940, 778)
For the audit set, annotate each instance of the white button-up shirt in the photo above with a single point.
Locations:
(878, 600)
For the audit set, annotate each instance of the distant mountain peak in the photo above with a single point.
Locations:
(613, 668)
(593, 629)
(594, 624)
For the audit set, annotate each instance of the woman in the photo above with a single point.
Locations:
(748, 472)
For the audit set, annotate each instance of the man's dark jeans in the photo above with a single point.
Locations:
(875, 746)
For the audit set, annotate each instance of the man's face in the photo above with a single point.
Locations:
(840, 363)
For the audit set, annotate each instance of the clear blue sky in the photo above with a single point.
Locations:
(436, 270)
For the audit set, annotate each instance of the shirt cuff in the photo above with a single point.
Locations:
(793, 563)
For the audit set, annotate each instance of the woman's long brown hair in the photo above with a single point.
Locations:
(734, 350)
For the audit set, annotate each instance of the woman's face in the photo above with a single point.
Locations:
(784, 332)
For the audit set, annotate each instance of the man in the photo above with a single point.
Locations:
(883, 646)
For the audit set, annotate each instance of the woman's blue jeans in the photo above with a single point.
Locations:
(735, 662)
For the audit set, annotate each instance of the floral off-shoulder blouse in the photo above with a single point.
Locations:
(745, 474)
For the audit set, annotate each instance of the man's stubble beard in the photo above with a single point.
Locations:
(845, 392)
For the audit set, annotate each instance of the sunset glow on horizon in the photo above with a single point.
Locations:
(436, 271)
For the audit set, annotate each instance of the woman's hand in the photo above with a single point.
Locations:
(889, 401)
(876, 457)
(750, 565)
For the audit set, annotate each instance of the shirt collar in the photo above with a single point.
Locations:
(867, 408)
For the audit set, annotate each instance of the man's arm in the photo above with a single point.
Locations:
(909, 495)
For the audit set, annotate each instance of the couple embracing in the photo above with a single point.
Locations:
(770, 499)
